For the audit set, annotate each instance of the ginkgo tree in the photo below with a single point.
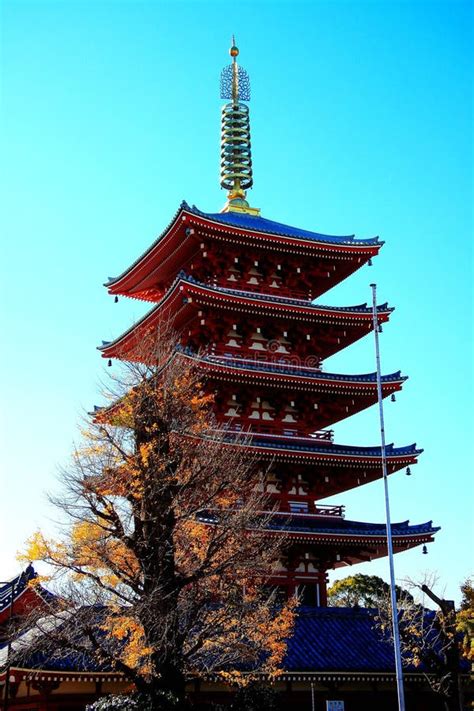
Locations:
(161, 570)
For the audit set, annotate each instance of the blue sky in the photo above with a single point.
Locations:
(361, 123)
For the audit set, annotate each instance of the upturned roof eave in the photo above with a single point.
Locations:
(114, 281)
(394, 380)
(225, 220)
(325, 378)
(150, 316)
(260, 301)
(312, 239)
(343, 529)
(274, 300)
(357, 534)
(333, 452)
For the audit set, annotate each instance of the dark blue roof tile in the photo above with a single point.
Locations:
(339, 526)
(263, 296)
(262, 224)
(337, 639)
(262, 367)
(254, 223)
(315, 446)
(325, 639)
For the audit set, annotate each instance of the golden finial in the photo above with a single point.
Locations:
(236, 156)
(234, 50)
(234, 53)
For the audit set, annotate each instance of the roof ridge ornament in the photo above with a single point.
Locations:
(236, 153)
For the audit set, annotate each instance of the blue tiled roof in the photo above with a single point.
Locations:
(263, 296)
(325, 639)
(334, 525)
(263, 367)
(339, 639)
(262, 224)
(66, 661)
(321, 446)
(255, 223)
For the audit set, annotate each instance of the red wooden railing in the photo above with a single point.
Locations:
(279, 431)
(316, 510)
(262, 287)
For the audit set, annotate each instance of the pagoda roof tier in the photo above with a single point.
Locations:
(339, 526)
(329, 468)
(186, 296)
(354, 541)
(336, 396)
(301, 378)
(294, 375)
(341, 541)
(349, 454)
(224, 294)
(148, 277)
(257, 223)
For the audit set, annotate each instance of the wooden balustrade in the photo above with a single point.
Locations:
(279, 432)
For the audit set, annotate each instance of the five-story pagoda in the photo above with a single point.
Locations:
(240, 291)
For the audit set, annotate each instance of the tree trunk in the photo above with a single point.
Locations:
(452, 703)
(160, 618)
(166, 692)
(172, 682)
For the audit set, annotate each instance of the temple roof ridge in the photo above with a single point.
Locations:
(249, 223)
(279, 299)
(262, 224)
(182, 207)
(18, 584)
(334, 525)
(264, 366)
(315, 445)
(343, 526)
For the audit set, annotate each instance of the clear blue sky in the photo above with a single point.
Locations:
(361, 122)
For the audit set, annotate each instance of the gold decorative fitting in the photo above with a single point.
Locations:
(236, 154)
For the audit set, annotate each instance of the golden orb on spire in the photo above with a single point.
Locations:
(234, 50)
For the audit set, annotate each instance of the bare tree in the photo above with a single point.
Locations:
(160, 572)
(429, 639)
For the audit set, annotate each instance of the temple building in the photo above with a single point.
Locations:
(242, 292)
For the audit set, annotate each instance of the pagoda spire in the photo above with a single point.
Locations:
(236, 153)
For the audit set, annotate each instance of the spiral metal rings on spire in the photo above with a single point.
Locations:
(236, 154)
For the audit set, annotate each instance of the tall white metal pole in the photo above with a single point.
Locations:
(393, 597)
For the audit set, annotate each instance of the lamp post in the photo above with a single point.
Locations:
(393, 597)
